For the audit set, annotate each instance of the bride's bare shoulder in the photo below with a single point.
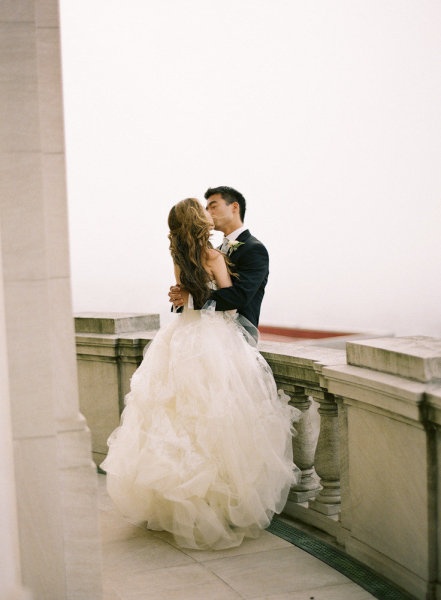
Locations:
(217, 268)
(214, 256)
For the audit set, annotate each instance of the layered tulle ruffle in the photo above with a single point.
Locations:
(204, 449)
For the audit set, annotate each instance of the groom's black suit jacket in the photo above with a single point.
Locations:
(251, 262)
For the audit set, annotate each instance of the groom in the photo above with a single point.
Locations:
(248, 257)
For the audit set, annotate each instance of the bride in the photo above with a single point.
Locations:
(204, 448)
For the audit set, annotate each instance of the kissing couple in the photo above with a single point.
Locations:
(204, 448)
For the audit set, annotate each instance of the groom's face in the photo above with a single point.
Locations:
(223, 214)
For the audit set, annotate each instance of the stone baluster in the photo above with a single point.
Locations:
(327, 458)
(304, 444)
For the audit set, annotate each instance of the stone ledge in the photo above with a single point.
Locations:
(399, 397)
(417, 358)
(300, 363)
(115, 323)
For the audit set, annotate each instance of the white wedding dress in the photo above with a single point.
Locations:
(204, 448)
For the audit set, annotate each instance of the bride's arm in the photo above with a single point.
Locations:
(218, 269)
(177, 271)
(179, 295)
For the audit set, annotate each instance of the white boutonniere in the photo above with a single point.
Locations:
(233, 245)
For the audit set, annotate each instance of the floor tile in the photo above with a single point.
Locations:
(346, 591)
(140, 564)
(192, 582)
(274, 572)
(113, 528)
(267, 541)
(110, 594)
(125, 559)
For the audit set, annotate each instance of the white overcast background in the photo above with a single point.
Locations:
(325, 114)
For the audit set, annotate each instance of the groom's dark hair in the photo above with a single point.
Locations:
(230, 195)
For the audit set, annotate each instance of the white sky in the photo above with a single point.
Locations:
(326, 115)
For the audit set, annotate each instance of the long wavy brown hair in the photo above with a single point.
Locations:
(189, 241)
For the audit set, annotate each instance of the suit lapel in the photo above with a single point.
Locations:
(243, 237)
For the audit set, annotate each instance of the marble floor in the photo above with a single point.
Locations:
(143, 565)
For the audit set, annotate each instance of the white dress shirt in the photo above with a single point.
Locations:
(236, 233)
(230, 238)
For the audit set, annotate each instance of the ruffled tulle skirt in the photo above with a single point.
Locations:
(204, 448)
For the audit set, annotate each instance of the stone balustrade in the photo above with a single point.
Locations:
(368, 442)
(110, 347)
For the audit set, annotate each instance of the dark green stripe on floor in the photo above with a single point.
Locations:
(351, 568)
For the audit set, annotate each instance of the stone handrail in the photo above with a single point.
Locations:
(368, 443)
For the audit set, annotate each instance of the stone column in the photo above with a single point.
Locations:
(10, 573)
(55, 477)
(327, 457)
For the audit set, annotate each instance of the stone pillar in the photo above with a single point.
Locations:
(327, 457)
(10, 572)
(55, 479)
(109, 349)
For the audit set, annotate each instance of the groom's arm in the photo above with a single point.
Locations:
(253, 271)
